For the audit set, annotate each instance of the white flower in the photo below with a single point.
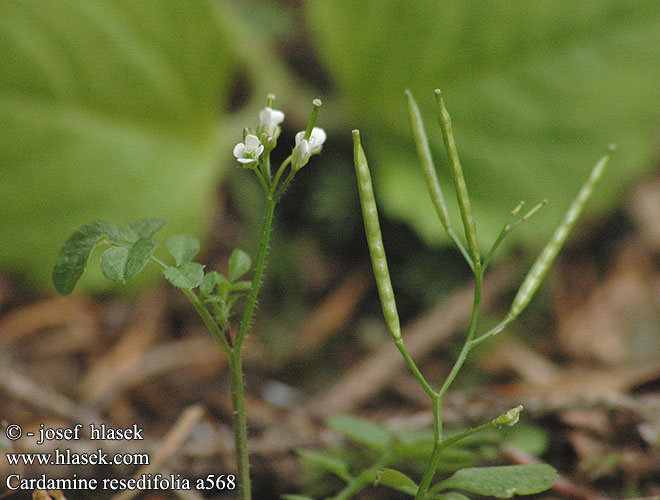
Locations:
(307, 147)
(269, 119)
(316, 139)
(249, 151)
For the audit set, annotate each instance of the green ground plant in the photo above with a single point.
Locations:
(128, 250)
(499, 481)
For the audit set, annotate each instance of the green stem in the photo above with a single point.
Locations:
(494, 331)
(262, 180)
(235, 357)
(436, 398)
(432, 464)
(285, 183)
(413, 367)
(280, 170)
(240, 425)
(246, 319)
(468, 340)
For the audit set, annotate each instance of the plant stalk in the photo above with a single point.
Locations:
(240, 426)
(259, 266)
(236, 359)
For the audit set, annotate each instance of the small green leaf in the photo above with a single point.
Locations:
(501, 482)
(183, 248)
(208, 284)
(189, 275)
(452, 495)
(75, 253)
(113, 263)
(327, 462)
(396, 480)
(147, 227)
(239, 264)
(138, 256)
(241, 286)
(295, 497)
(361, 430)
(223, 285)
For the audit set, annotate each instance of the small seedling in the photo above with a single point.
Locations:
(128, 249)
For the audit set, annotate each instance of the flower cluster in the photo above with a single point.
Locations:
(258, 143)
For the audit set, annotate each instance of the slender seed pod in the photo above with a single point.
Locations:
(374, 238)
(543, 262)
(424, 153)
(459, 180)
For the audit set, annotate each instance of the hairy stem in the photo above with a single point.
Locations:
(240, 426)
(236, 361)
(259, 266)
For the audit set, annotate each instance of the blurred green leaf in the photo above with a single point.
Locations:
(113, 263)
(396, 480)
(536, 92)
(108, 109)
(189, 275)
(326, 462)
(147, 227)
(239, 264)
(183, 248)
(128, 234)
(532, 439)
(361, 430)
(450, 496)
(501, 482)
(75, 253)
(209, 282)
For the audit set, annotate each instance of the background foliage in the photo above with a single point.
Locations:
(125, 110)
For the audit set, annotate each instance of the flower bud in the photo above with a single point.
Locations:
(510, 417)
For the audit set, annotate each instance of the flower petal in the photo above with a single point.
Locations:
(252, 142)
(317, 138)
(239, 149)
